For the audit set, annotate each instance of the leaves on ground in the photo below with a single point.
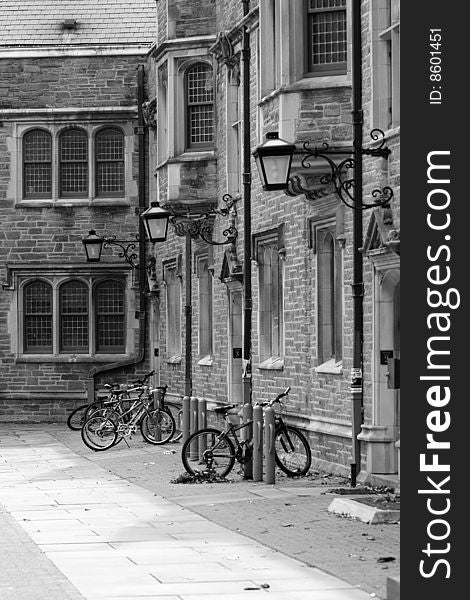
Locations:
(200, 477)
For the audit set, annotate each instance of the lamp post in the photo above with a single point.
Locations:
(274, 160)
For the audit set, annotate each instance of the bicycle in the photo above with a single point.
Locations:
(79, 415)
(211, 451)
(107, 426)
(175, 409)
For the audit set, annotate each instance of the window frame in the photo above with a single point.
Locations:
(332, 227)
(97, 162)
(61, 162)
(206, 307)
(72, 349)
(55, 129)
(188, 144)
(337, 68)
(40, 349)
(34, 195)
(56, 283)
(272, 239)
(173, 335)
(385, 62)
(117, 349)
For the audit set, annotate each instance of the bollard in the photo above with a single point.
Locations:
(186, 418)
(194, 451)
(157, 399)
(269, 431)
(247, 417)
(202, 423)
(258, 443)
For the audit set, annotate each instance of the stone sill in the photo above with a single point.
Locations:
(188, 156)
(174, 360)
(309, 83)
(206, 361)
(331, 367)
(272, 364)
(70, 358)
(108, 202)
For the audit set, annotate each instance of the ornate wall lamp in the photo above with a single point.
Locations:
(155, 221)
(274, 160)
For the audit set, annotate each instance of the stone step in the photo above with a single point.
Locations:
(393, 588)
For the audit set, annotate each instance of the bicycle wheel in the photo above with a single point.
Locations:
(99, 433)
(204, 453)
(177, 414)
(292, 451)
(77, 417)
(157, 426)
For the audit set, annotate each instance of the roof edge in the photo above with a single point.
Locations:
(75, 51)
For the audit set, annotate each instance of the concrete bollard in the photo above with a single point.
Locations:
(193, 426)
(186, 418)
(202, 423)
(247, 417)
(269, 434)
(258, 443)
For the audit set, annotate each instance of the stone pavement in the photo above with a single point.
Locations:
(113, 539)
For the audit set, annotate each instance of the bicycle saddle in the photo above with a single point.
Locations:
(224, 409)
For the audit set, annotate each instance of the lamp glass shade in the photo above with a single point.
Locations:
(155, 220)
(93, 245)
(274, 159)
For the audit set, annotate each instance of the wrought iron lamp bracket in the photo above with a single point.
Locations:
(343, 185)
(128, 253)
(201, 227)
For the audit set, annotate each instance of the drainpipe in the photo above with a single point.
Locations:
(247, 299)
(188, 358)
(247, 304)
(357, 283)
(140, 356)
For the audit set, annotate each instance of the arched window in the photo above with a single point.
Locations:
(200, 106)
(109, 155)
(73, 308)
(37, 306)
(109, 303)
(37, 164)
(73, 163)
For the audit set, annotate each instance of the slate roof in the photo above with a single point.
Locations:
(34, 23)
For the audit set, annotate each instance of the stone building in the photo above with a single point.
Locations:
(69, 164)
(301, 84)
(301, 80)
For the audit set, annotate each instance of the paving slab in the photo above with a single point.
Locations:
(112, 539)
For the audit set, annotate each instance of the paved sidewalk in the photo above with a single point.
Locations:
(121, 539)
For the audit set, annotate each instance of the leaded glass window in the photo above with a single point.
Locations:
(109, 306)
(200, 105)
(109, 151)
(73, 306)
(37, 164)
(73, 163)
(327, 36)
(37, 306)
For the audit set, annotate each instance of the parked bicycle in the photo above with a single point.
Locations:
(113, 422)
(79, 415)
(211, 451)
(175, 409)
